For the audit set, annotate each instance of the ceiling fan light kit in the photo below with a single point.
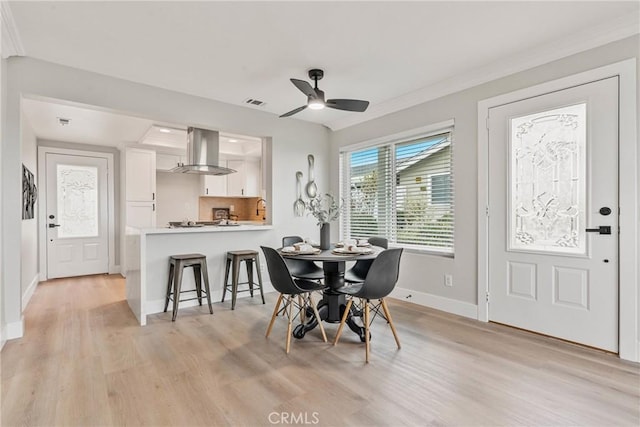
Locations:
(315, 97)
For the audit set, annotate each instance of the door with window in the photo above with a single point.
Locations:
(553, 214)
(77, 218)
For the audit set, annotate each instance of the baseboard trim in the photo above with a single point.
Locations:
(114, 269)
(14, 329)
(157, 306)
(449, 305)
(3, 335)
(26, 297)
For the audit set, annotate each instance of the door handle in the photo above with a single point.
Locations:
(603, 229)
(53, 225)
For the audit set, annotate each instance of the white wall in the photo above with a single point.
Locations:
(292, 140)
(424, 273)
(29, 248)
(177, 197)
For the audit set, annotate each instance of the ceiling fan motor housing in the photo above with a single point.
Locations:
(316, 74)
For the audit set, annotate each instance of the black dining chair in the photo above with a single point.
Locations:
(358, 272)
(300, 268)
(379, 283)
(295, 293)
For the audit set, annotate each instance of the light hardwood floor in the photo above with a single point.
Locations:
(84, 361)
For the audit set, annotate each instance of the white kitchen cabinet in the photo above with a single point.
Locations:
(140, 188)
(215, 185)
(165, 162)
(140, 175)
(246, 181)
(141, 214)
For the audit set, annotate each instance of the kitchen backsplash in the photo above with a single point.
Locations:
(244, 208)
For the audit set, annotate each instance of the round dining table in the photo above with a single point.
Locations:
(331, 306)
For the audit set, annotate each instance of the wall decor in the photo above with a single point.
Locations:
(299, 205)
(29, 193)
(311, 188)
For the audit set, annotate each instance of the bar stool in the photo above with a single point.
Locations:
(177, 263)
(235, 258)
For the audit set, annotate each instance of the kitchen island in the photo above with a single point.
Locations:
(147, 253)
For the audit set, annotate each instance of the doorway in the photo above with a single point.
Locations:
(553, 214)
(77, 214)
(505, 230)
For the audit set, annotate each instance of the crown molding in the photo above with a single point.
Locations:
(11, 43)
(617, 29)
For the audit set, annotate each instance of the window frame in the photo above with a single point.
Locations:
(391, 141)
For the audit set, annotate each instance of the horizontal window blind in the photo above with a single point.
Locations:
(402, 191)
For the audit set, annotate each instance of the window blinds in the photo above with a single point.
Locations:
(402, 191)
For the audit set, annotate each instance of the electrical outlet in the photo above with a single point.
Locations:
(448, 280)
(232, 208)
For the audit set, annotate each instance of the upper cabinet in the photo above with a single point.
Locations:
(140, 175)
(215, 185)
(246, 181)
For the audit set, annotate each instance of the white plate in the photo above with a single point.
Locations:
(343, 251)
(309, 252)
(360, 245)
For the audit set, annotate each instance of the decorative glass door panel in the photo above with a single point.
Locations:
(77, 201)
(547, 188)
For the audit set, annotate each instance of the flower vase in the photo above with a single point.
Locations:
(325, 236)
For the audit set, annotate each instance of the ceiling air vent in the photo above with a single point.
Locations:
(255, 102)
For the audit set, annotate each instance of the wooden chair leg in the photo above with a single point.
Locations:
(366, 329)
(315, 312)
(343, 321)
(303, 312)
(387, 314)
(290, 303)
(275, 313)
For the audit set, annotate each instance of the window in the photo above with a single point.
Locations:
(402, 190)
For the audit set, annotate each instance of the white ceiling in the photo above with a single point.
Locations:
(96, 127)
(394, 54)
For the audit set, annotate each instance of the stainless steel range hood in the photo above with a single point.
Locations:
(203, 150)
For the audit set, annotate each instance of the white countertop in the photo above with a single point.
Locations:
(207, 229)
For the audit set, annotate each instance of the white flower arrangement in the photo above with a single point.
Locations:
(324, 208)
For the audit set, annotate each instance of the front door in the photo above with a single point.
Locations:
(553, 214)
(76, 209)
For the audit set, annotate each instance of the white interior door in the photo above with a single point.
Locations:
(553, 181)
(77, 218)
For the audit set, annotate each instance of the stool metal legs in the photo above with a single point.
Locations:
(200, 272)
(233, 267)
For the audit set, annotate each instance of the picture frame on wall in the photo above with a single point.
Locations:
(29, 193)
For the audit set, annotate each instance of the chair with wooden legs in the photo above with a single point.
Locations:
(380, 281)
(294, 293)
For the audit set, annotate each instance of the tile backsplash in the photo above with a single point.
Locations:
(243, 207)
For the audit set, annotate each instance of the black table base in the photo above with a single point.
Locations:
(332, 305)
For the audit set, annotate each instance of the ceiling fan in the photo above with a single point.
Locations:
(315, 97)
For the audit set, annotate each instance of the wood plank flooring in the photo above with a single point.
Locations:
(85, 362)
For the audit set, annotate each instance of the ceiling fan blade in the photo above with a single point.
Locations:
(348, 104)
(304, 87)
(292, 112)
